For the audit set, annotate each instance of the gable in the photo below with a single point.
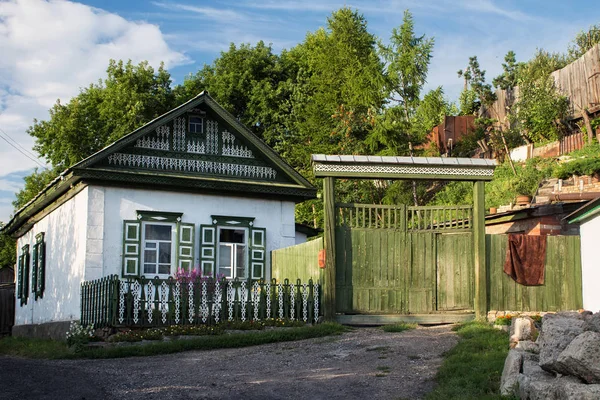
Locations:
(197, 143)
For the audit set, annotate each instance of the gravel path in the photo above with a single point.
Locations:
(364, 363)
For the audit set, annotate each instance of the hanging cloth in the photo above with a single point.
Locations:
(525, 259)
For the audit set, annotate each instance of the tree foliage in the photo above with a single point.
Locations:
(130, 96)
(509, 77)
(34, 183)
(247, 81)
(7, 250)
(474, 78)
(584, 41)
(540, 107)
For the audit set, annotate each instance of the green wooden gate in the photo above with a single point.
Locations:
(401, 260)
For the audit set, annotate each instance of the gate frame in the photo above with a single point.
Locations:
(478, 171)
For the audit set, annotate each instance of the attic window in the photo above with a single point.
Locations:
(196, 124)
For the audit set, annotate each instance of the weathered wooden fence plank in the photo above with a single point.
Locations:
(562, 285)
(297, 262)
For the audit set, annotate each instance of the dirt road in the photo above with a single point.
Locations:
(366, 363)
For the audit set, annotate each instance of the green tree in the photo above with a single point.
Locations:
(34, 183)
(481, 94)
(130, 96)
(245, 80)
(431, 112)
(583, 42)
(338, 89)
(407, 60)
(540, 107)
(508, 79)
(407, 57)
(8, 252)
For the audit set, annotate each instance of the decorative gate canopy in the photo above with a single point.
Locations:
(422, 168)
(473, 170)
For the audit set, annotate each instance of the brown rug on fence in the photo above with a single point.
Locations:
(525, 259)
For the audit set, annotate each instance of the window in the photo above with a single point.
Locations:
(158, 248)
(196, 124)
(232, 247)
(233, 253)
(156, 244)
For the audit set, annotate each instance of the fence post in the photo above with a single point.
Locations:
(479, 249)
(329, 244)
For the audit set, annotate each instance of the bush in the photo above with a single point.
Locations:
(584, 166)
(79, 335)
(505, 320)
(195, 330)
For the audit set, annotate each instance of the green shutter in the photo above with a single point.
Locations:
(40, 266)
(258, 250)
(208, 249)
(20, 277)
(185, 246)
(132, 236)
(34, 269)
(25, 275)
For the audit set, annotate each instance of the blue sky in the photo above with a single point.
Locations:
(52, 48)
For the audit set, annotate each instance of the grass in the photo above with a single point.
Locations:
(401, 327)
(472, 369)
(37, 348)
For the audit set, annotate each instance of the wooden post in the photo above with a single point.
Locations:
(329, 244)
(479, 250)
(588, 125)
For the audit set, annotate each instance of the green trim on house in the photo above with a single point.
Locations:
(158, 216)
(223, 220)
(588, 210)
(219, 185)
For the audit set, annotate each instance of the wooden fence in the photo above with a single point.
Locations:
(572, 142)
(403, 218)
(299, 261)
(7, 300)
(141, 302)
(579, 81)
(404, 259)
(562, 286)
(7, 308)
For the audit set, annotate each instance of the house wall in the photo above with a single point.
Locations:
(590, 266)
(121, 204)
(65, 234)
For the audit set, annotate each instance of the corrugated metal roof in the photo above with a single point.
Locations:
(455, 161)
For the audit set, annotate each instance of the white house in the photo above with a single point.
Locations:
(192, 189)
(588, 218)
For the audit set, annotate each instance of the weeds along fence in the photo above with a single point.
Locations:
(143, 302)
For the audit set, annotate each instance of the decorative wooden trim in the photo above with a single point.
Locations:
(425, 168)
(158, 216)
(222, 220)
(235, 187)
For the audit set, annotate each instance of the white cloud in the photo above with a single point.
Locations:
(51, 49)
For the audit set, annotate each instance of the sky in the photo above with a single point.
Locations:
(51, 49)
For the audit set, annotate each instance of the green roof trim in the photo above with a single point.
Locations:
(586, 214)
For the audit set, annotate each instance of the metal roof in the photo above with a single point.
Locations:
(433, 161)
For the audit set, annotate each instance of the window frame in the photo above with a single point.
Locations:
(189, 125)
(246, 244)
(142, 266)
